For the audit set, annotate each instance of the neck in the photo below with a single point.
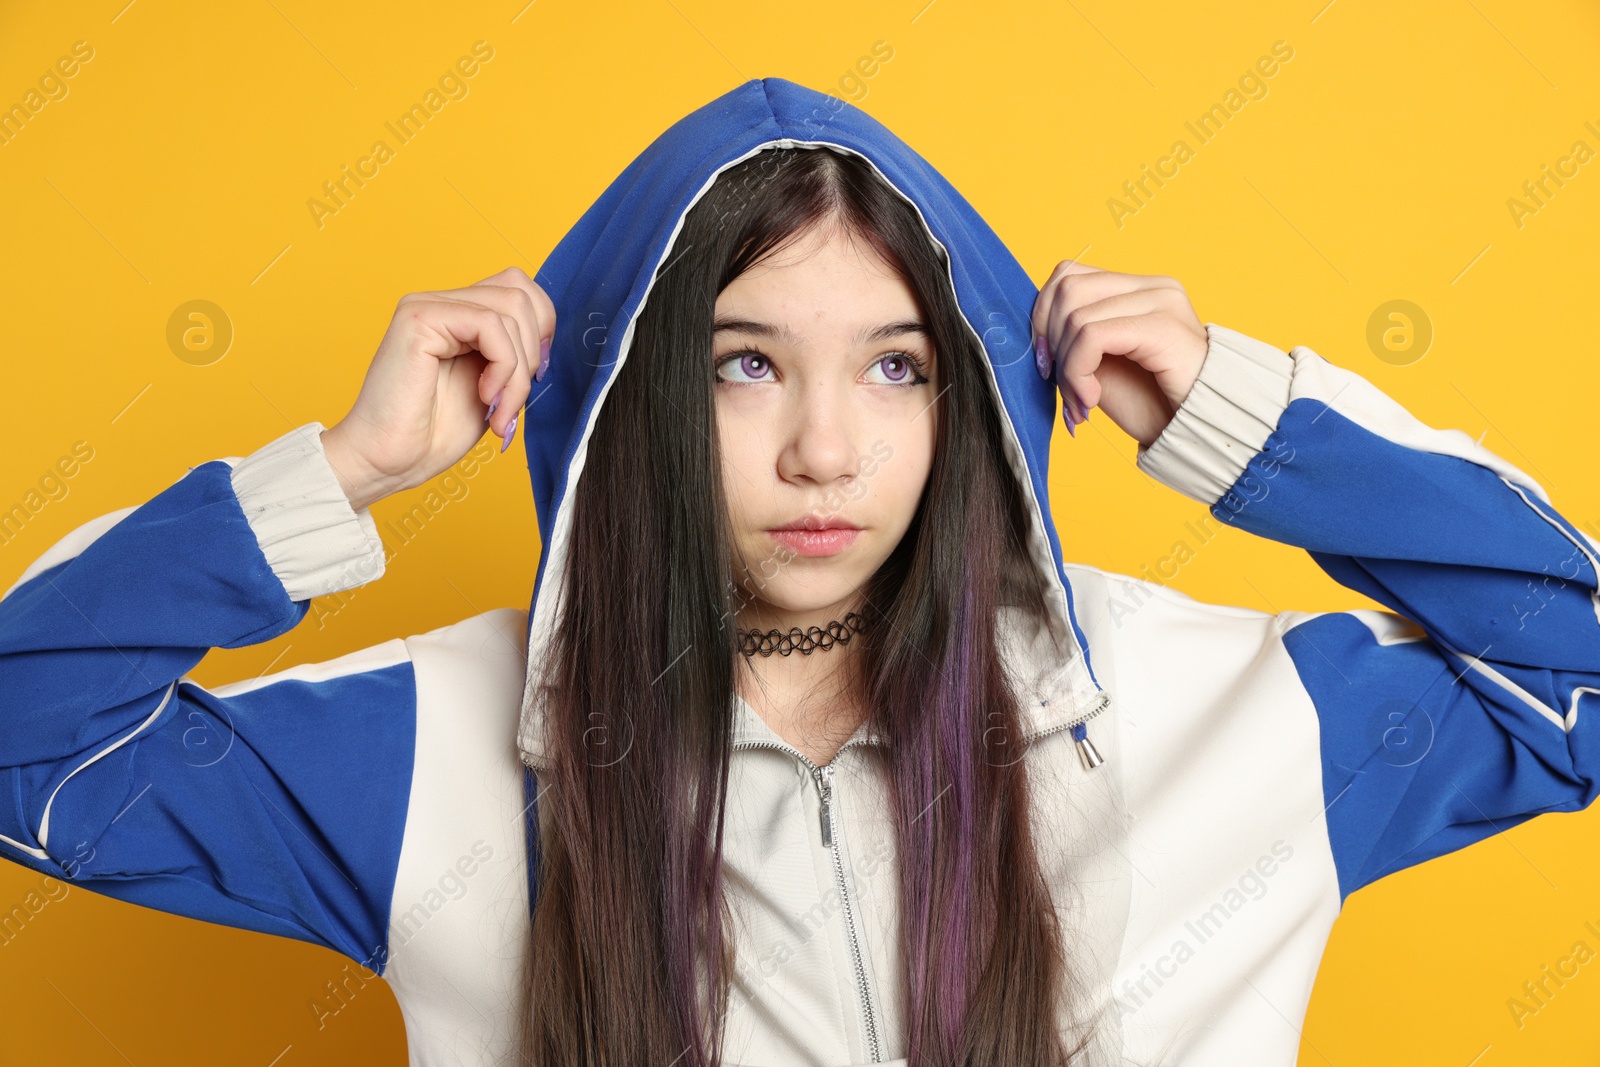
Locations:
(813, 701)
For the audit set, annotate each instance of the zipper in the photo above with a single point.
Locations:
(1087, 753)
(822, 777)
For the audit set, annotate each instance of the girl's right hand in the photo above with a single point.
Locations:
(449, 361)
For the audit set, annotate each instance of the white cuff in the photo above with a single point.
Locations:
(314, 540)
(1230, 411)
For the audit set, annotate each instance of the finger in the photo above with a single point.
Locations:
(1069, 313)
(467, 327)
(511, 304)
(1073, 285)
(517, 308)
(1065, 324)
(1042, 305)
(540, 311)
(1075, 289)
(1132, 336)
(1072, 266)
(514, 302)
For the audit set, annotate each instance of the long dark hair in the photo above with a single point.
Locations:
(630, 962)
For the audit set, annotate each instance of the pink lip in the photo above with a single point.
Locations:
(825, 542)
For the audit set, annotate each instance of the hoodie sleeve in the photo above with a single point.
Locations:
(1470, 705)
(276, 804)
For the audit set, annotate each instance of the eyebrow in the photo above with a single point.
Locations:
(867, 336)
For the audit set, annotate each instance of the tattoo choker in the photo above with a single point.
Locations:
(766, 642)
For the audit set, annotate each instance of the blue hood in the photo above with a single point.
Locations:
(601, 272)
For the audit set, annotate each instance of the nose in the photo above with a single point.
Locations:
(819, 438)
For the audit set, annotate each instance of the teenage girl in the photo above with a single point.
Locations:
(811, 748)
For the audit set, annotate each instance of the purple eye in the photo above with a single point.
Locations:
(901, 369)
(748, 367)
(753, 368)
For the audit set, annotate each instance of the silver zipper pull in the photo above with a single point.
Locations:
(1086, 751)
(824, 780)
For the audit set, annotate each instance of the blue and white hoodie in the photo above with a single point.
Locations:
(1258, 766)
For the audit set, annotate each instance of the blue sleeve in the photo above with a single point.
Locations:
(275, 805)
(1469, 705)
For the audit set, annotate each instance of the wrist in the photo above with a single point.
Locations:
(1230, 410)
(362, 485)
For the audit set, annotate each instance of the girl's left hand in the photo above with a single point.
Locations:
(1128, 343)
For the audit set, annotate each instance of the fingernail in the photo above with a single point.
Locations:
(494, 404)
(544, 360)
(1041, 356)
(1066, 417)
(511, 429)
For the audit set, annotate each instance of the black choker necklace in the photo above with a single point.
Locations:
(766, 642)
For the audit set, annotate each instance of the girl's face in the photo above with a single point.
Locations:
(825, 410)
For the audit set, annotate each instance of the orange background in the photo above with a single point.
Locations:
(1377, 166)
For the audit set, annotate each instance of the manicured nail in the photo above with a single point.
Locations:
(544, 360)
(511, 429)
(494, 404)
(1066, 417)
(1041, 356)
